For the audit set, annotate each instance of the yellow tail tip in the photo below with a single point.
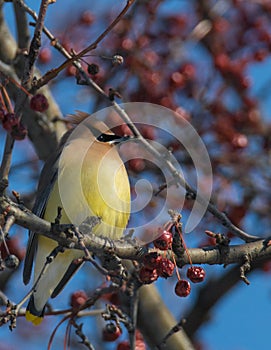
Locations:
(36, 320)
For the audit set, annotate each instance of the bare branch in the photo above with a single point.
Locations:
(54, 72)
(66, 236)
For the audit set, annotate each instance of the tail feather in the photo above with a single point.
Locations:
(32, 314)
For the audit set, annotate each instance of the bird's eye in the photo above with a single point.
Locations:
(107, 137)
(101, 138)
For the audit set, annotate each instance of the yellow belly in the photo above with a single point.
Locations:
(98, 188)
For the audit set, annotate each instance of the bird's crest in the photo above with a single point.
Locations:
(77, 117)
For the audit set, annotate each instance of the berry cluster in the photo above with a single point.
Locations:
(12, 124)
(155, 265)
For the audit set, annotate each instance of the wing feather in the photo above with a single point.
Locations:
(47, 179)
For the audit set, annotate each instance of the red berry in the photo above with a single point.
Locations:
(111, 332)
(151, 260)
(10, 121)
(222, 61)
(178, 79)
(189, 71)
(164, 241)
(87, 18)
(182, 288)
(148, 276)
(2, 114)
(19, 132)
(70, 71)
(39, 103)
(165, 268)
(136, 164)
(45, 55)
(196, 274)
(78, 298)
(124, 345)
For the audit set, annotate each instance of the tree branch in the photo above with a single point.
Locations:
(66, 236)
(54, 72)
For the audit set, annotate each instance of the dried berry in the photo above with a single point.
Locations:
(151, 260)
(39, 103)
(182, 288)
(196, 274)
(165, 268)
(19, 132)
(93, 69)
(111, 332)
(78, 298)
(11, 261)
(10, 121)
(117, 60)
(148, 276)
(164, 241)
(124, 345)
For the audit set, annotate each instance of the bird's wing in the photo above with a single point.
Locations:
(74, 266)
(47, 179)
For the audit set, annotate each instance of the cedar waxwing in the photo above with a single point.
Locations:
(85, 177)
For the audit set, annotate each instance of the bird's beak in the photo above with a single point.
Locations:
(120, 139)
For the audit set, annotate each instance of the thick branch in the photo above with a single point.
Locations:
(227, 255)
(154, 330)
(66, 236)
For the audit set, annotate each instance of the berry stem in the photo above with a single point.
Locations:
(6, 99)
(176, 269)
(183, 243)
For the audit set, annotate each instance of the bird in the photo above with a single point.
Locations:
(84, 177)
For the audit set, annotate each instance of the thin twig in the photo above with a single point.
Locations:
(54, 72)
(32, 56)
(35, 44)
(6, 160)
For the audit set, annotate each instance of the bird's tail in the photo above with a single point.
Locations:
(32, 314)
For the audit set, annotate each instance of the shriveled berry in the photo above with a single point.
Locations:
(19, 132)
(196, 274)
(93, 69)
(11, 261)
(148, 276)
(164, 241)
(10, 121)
(78, 298)
(165, 268)
(117, 60)
(39, 103)
(151, 260)
(182, 288)
(111, 332)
